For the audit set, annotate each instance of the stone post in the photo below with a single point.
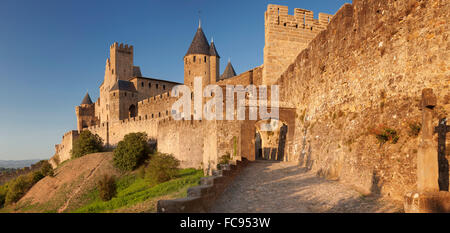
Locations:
(427, 157)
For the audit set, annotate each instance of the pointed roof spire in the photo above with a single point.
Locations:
(229, 71)
(213, 50)
(86, 99)
(199, 44)
(199, 23)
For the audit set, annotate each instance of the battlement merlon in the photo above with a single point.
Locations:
(122, 47)
(301, 16)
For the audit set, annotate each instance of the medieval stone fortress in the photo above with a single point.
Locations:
(352, 87)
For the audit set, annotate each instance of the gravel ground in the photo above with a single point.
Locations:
(284, 187)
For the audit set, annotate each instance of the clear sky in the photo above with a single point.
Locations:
(53, 51)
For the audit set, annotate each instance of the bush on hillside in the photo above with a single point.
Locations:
(107, 187)
(47, 169)
(3, 192)
(87, 143)
(18, 188)
(36, 177)
(131, 151)
(161, 168)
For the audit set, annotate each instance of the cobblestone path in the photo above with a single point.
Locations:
(284, 187)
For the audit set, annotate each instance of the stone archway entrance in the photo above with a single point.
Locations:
(260, 143)
(270, 140)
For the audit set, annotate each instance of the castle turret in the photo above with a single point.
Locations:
(228, 72)
(214, 63)
(86, 99)
(197, 60)
(85, 113)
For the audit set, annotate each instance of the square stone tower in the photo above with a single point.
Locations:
(286, 36)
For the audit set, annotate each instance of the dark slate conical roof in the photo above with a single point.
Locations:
(229, 72)
(86, 99)
(213, 50)
(199, 44)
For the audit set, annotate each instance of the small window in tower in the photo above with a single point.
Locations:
(125, 94)
(149, 85)
(156, 86)
(167, 112)
(159, 114)
(205, 59)
(194, 58)
(285, 24)
(142, 84)
(164, 87)
(153, 116)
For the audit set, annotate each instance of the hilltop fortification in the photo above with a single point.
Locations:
(341, 79)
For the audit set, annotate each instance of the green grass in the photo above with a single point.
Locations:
(132, 189)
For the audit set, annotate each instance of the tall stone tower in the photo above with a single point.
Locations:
(201, 60)
(121, 62)
(286, 36)
(119, 66)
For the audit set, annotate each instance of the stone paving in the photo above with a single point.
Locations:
(284, 187)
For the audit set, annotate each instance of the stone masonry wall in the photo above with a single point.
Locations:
(363, 74)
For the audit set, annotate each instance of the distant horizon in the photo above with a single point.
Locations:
(53, 52)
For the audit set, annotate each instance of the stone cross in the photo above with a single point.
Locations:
(427, 158)
(442, 129)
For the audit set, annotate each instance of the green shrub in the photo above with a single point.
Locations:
(161, 168)
(87, 143)
(384, 134)
(3, 192)
(47, 169)
(18, 188)
(414, 129)
(107, 188)
(131, 151)
(224, 159)
(37, 176)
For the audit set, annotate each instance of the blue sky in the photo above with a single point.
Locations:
(53, 51)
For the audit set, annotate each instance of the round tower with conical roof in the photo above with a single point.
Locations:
(197, 61)
(85, 113)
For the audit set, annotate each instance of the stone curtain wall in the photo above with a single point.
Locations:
(366, 72)
(62, 151)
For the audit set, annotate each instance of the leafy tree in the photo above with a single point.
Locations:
(47, 169)
(18, 188)
(107, 187)
(87, 143)
(161, 168)
(131, 151)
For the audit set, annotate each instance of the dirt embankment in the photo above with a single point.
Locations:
(68, 189)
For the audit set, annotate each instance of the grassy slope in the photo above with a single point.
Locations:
(134, 194)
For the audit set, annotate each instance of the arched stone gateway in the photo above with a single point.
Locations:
(269, 139)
